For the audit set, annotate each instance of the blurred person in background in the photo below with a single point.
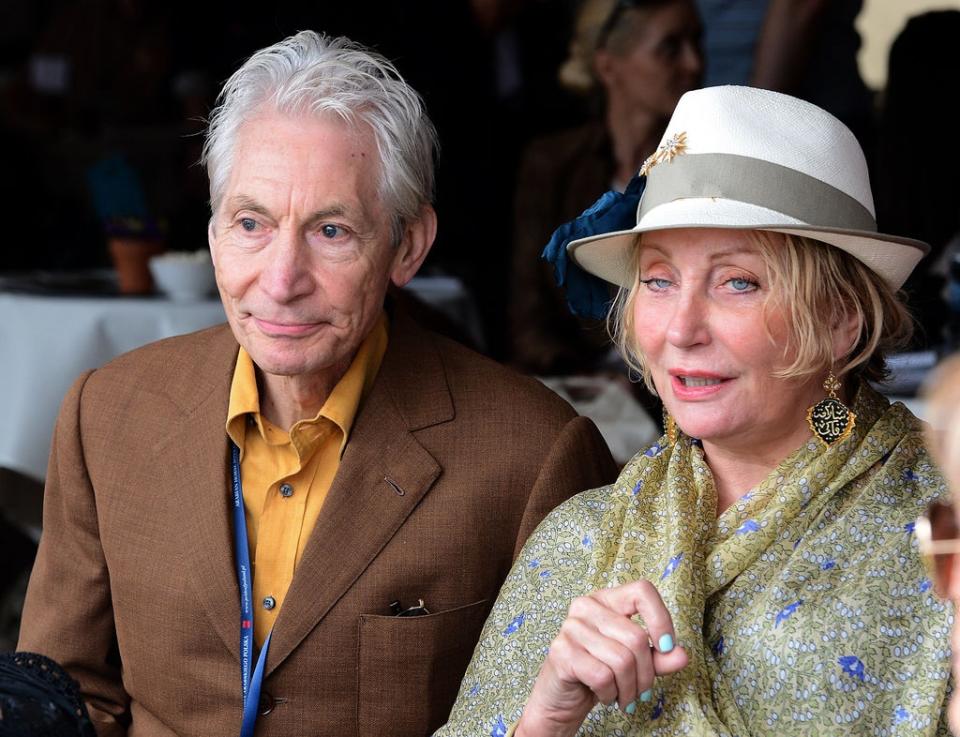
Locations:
(804, 48)
(938, 530)
(632, 60)
(916, 109)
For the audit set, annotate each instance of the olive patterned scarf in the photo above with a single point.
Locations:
(804, 606)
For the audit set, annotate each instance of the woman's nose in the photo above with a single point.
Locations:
(687, 323)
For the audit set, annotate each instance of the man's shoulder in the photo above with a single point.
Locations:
(180, 364)
(480, 383)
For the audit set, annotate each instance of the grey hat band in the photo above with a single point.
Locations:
(755, 182)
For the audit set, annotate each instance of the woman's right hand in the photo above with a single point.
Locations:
(602, 655)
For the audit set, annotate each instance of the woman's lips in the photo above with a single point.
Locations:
(696, 385)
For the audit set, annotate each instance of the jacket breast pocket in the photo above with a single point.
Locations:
(410, 668)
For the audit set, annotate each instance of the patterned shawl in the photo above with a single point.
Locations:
(804, 606)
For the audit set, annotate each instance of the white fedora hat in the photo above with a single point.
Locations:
(741, 157)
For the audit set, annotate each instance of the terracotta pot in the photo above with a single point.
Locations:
(131, 256)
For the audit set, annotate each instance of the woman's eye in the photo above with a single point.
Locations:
(656, 283)
(670, 47)
(739, 284)
(248, 224)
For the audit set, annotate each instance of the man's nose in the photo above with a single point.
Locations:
(287, 272)
(687, 323)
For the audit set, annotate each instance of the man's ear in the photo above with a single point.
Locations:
(211, 238)
(417, 239)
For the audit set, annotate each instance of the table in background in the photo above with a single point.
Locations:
(47, 341)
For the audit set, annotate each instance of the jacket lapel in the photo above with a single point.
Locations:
(193, 462)
(383, 475)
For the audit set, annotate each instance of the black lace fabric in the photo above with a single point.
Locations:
(37, 697)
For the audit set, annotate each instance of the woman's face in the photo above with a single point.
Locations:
(659, 64)
(712, 349)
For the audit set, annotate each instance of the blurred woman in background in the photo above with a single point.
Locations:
(633, 59)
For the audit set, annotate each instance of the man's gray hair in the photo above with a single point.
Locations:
(313, 74)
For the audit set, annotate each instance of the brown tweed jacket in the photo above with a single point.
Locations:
(451, 463)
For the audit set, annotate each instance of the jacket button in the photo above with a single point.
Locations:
(266, 704)
(269, 603)
(286, 490)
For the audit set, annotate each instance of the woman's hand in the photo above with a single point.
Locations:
(602, 655)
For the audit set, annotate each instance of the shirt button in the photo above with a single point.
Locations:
(269, 602)
(286, 490)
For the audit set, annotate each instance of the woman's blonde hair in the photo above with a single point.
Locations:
(817, 285)
(942, 395)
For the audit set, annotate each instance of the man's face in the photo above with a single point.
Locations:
(302, 244)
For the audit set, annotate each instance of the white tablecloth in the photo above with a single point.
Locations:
(45, 342)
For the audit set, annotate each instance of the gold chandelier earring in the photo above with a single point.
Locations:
(830, 419)
(670, 427)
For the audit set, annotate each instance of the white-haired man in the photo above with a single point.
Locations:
(305, 531)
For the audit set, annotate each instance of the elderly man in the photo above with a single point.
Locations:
(343, 492)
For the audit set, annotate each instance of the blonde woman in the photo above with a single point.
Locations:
(754, 571)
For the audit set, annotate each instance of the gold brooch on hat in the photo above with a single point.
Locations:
(666, 151)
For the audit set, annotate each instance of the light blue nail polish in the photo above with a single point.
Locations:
(666, 643)
(646, 695)
(631, 708)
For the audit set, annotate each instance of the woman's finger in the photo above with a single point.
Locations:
(610, 638)
(634, 638)
(577, 666)
(641, 597)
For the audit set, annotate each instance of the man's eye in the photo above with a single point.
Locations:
(248, 224)
(330, 231)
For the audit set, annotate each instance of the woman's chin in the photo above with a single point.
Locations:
(702, 428)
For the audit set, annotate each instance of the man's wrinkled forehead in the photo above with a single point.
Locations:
(320, 167)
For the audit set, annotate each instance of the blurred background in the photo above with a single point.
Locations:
(541, 106)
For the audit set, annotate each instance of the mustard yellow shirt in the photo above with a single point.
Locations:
(286, 474)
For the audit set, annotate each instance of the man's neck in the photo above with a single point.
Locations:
(285, 400)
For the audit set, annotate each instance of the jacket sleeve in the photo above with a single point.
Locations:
(68, 614)
(578, 460)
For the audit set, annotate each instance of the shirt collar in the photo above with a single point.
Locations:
(340, 408)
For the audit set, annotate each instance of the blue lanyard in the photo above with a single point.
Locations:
(251, 685)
